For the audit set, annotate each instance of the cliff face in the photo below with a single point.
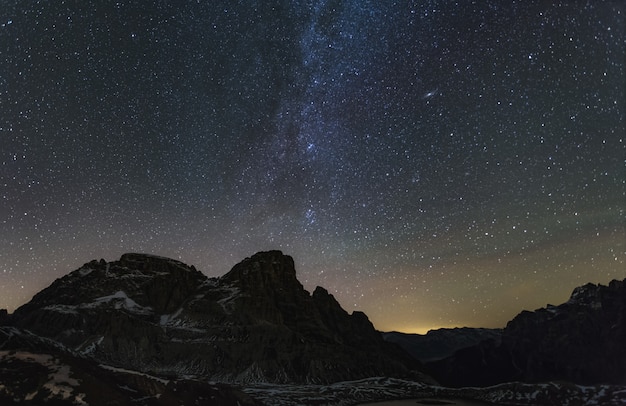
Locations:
(580, 341)
(254, 324)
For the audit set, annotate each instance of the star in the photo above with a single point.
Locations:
(403, 156)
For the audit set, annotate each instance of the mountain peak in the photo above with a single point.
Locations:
(592, 294)
(256, 323)
(268, 270)
(139, 261)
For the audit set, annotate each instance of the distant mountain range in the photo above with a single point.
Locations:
(148, 330)
(441, 343)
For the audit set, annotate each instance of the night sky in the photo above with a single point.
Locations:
(432, 164)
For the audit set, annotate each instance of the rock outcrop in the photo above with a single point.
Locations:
(580, 341)
(254, 324)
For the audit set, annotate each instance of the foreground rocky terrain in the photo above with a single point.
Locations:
(147, 330)
(379, 389)
(36, 371)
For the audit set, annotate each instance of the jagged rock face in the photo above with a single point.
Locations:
(580, 341)
(583, 340)
(268, 290)
(256, 323)
(121, 299)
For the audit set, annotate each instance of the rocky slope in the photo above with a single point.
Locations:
(36, 371)
(580, 341)
(384, 389)
(441, 343)
(254, 324)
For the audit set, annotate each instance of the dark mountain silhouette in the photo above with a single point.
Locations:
(254, 324)
(441, 343)
(581, 341)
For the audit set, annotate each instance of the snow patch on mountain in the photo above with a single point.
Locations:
(167, 318)
(132, 372)
(90, 347)
(59, 384)
(121, 300)
(227, 302)
(65, 309)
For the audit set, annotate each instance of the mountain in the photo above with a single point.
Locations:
(161, 317)
(580, 341)
(441, 343)
(148, 330)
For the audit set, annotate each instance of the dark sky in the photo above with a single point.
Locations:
(433, 164)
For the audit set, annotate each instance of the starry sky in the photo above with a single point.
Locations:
(431, 163)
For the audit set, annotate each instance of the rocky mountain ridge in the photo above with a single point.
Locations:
(254, 324)
(580, 341)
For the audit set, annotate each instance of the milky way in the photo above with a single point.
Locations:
(429, 163)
